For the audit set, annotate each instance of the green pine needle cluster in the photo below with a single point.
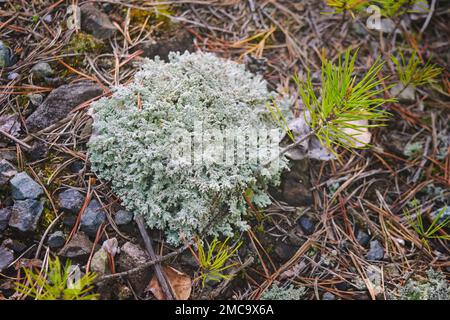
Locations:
(214, 262)
(431, 232)
(56, 283)
(395, 8)
(412, 72)
(345, 105)
(340, 6)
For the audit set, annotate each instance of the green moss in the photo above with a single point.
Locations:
(48, 215)
(23, 100)
(84, 43)
(160, 16)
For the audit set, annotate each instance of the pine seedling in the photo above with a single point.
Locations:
(213, 263)
(347, 106)
(395, 8)
(432, 232)
(351, 6)
(279, 118)
(56, 283)
(411, 72)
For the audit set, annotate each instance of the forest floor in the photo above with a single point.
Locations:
(338, 229)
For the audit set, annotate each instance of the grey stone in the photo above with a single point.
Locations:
(100, 260)
(92, 218)
(5, 214)
(6, 56)
(14, 245)
(48, 18)
(387, 25)
(407, 94)
(123, 217)
(96, 22)
(10, 123)
(6, 258)
(328, 296)
(7, 171)
(13, 75)
(181, 41)
(130, 257)
(306, 224)
(60, 102)
(56, 239)
(78, 247)
(35, 98)
(362, 238)
(25, 214)
(76, 166)
(41, 70)
(99, 263)
(24, 187)
(8, 155)
(71, 200)
(376, 251)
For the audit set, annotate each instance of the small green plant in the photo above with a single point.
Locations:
(395, 8)
(83, 43)
(412, 73)
(346, 105)
(214, 262)
(56, 283)
(346, 5)
(432, 232)
(279, 118)
(283, 293)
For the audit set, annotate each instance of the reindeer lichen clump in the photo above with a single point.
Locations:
(182, 143)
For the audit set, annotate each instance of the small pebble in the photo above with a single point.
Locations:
(5, 214)
(71, 200)
(376, 251)
(6, 258)
(123, 217)
(56, 239)
(13, 75)
(41, 70)
(306, 224)
(25, 214)
(328, 296)
(35, 98)
(92, 218)
(362, 238)
(24, 187)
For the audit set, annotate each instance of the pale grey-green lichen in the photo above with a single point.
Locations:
(146, 144)
(283, 293)
(435, 287)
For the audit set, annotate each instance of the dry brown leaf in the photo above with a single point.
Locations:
(180, 283)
